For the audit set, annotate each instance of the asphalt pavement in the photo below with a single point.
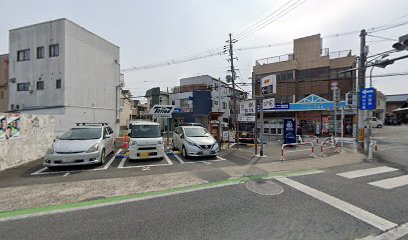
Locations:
(323, 205)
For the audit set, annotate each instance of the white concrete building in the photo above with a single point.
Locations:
(62, 69)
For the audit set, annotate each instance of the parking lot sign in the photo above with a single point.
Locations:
(367, 99)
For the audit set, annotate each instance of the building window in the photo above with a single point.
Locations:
(173, 102)
(160, 100)
(54, 50)
(40, 85)
(11, 106)
(216, 103)
(23, 55)
(40, 52)
(1, 95)
(58, 83)
(215, 86)
(17, 107)
(224, 105)
(23, 87)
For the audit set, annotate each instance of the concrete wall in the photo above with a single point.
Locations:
(48, 69)
(36, 136)
(4, 82)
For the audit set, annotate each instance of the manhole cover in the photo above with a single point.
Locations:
(264, 187)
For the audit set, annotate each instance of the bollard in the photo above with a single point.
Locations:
(313, 155)
(370, 151)
(283, 158)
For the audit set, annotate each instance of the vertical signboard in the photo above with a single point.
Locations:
(268, 84)
(247, 107)
(289, 131)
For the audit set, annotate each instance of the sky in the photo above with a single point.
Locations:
(152, 31)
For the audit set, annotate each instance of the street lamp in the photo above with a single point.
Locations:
(402, 44)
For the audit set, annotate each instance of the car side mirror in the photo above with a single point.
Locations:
(108, 136)
(181, 136)
(128, 134)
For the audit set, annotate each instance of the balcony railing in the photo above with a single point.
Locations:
(340, 54)
(281, 58)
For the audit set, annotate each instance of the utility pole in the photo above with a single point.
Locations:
(361, 80)
(234, 95)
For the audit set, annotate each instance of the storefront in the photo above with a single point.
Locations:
(314, 114)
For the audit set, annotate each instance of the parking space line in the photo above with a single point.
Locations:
(363, 215)
(39, 171)
(178, 158)
(122, 162)
(111, 160)
(221, 158)
(168, 159)
(66, 172)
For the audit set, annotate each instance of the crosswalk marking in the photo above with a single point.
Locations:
(370, 218)
(390, 183)
(367, 172)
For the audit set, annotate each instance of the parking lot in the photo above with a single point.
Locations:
(118, 165)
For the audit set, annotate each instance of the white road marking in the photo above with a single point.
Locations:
(367, 172)
(390, 148)
(178, 158)
(66, 174)
(122, 162)
(390, 183)
(352, 210)
(168, 159)
(112, 159)
(220, 158)
(392, 234)
(146, 168)
(39, 171)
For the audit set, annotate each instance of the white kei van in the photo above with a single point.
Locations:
(146, 141)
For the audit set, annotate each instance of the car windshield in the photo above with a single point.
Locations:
(82, 134)
(145, 131)
(196, 132)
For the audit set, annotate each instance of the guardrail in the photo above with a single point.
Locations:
(296, 144)
(330, 140)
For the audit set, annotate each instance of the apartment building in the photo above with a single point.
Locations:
(218, 104)
(62, 69)
(303, 86)
(4, 82)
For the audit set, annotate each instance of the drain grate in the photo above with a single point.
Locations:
(264, 187)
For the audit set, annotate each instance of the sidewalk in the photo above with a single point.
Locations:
(42, 195)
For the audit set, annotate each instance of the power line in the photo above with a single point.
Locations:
(280, 14)
(191, 57)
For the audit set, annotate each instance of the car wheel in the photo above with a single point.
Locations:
(379, 126)
(102, 162)
(185, 154)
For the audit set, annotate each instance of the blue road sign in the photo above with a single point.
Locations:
(190, 98)
(367, 99)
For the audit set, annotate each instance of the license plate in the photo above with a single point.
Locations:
(144, 155)
(207, 152)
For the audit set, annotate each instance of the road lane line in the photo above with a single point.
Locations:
(111, 160)
(392, 234)
(39, 171)
(168, 159)
(390, 183)
(352, 210)
(367, 172)
(66, 174)
(179, 158)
